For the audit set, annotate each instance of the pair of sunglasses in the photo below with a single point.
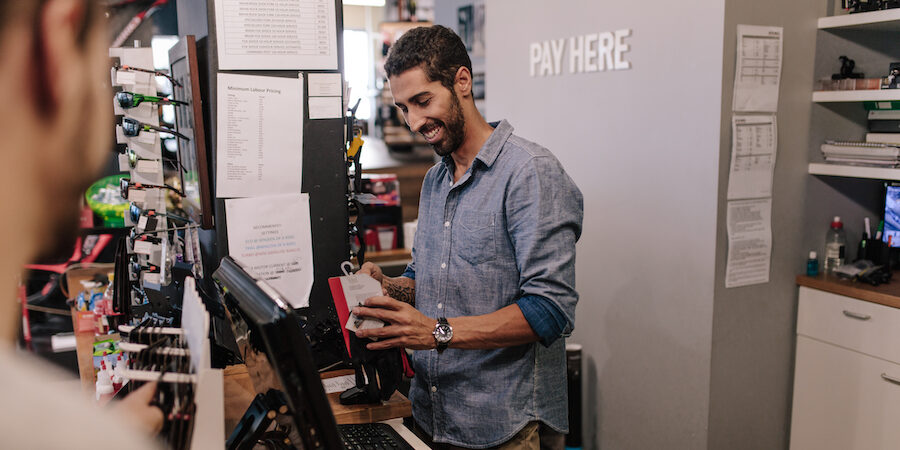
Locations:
(129, 100)
(154, 72)
(133, 158)
(132, 128)
(126, 185)
(135, 212)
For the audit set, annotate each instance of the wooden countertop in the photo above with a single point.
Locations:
(239, 393)
(886, 294)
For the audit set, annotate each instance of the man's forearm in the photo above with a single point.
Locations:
(505, 327)
(400, 288)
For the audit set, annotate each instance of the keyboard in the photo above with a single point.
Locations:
(371, 436)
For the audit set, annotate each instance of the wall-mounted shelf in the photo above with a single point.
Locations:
(870, 95)
(887, 20)
(837, 170)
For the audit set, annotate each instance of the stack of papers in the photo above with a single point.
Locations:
(861, 153)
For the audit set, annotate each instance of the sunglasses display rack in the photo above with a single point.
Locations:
(189, 391)
(159, 239)
(141, 157)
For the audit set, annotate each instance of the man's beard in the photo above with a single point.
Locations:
(454, 130)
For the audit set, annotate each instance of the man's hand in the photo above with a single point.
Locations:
(407, 326)
(136, 407)
(373, 271)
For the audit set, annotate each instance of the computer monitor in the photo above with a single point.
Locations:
(276, 352)
(892, 215)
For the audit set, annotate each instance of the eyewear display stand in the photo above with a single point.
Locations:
(206, 426)
(143, 156)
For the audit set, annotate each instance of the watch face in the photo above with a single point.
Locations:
(443, 333)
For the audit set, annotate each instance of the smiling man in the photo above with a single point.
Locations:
(491, 288)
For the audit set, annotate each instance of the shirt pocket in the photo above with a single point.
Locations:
(476, 242)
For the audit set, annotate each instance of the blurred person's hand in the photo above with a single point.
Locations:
(138, 409)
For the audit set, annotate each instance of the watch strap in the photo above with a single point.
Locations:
(440, 345)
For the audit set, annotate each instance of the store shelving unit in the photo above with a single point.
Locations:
(869, 95)
(837, 170)
(854, 193)
(888, 20)
(855, 35)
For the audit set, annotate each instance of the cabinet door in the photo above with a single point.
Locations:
(844, 400)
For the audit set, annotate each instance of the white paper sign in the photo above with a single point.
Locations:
(260, 135)
(271, 236)
(757, 74)
(276, 35)
(754, 142)
(749, 224)
(325, 108)
(325, 85)
(335, 384)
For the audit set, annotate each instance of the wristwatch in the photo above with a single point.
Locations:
(443, 333)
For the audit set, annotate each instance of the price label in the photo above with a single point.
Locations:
(147, 166)
(125, 77)
(137, 195)
(142, 223)
(146, 137)
(143, 247)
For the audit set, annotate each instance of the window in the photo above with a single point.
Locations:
(358, 70)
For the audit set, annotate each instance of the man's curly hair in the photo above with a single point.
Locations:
(437, 49)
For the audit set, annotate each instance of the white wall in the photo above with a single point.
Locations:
(643, 146)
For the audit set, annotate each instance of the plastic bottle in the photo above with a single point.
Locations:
(118, 375)
(104, 384)
(835, 245)
(812, 264)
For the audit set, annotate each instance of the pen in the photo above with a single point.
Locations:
(868, 228)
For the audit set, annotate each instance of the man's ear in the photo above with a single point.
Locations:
(57, 53)
(463, 82)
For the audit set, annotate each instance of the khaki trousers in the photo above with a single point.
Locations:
(535, 436)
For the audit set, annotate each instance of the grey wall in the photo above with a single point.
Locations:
(644, 147)
(753, 327)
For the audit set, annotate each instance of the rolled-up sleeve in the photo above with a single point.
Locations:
(544, 212)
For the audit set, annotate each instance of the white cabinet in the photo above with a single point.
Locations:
(846, 393)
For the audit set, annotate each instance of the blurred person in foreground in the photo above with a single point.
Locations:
(55, 125)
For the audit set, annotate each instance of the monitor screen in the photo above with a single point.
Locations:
(276, 351)
(892, 215)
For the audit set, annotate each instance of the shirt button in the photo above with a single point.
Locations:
(447, 223)
(443, 265)
(440, 306)
(434, 389)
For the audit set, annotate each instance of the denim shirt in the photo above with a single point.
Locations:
(506, 229)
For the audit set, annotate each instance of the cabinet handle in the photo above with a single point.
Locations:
(856, 316)
(890, 379)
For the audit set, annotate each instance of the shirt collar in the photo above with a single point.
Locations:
(491, 148)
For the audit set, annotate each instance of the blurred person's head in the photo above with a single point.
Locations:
(430, 76)
(55, 123)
